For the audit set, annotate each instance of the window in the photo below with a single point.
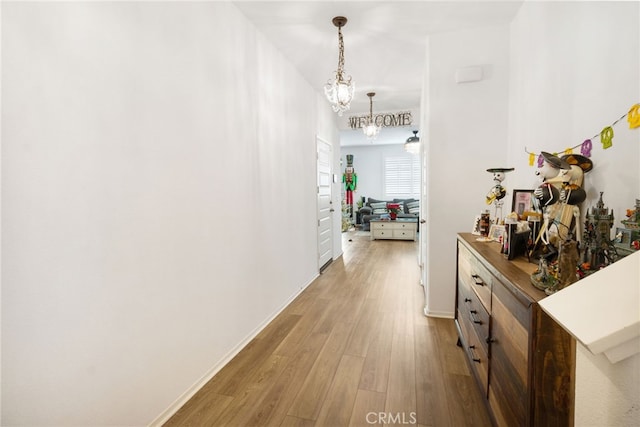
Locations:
(402, 177)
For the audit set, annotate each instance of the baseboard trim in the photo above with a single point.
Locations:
(440, 314)
(191, 391)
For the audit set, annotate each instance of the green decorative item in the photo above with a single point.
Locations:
(627, 238)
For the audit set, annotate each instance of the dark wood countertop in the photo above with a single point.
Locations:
(515, 274)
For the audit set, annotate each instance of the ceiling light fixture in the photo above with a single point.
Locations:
(413, 144)
(370, 129)
(340, 90)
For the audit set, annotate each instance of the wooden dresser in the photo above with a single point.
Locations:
(523, 361)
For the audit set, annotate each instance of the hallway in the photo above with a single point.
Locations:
(353, 349)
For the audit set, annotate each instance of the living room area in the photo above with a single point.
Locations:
(387, 182)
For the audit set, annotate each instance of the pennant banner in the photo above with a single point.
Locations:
(605, 135)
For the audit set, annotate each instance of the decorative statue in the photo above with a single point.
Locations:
(559, 196)
(497, 192)
(350, 180)
(572, 194)
(627, 239)
(599, 249)
(567, 266)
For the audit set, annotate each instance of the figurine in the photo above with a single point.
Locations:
(548, 195)
(497, 192)
(559, 196)
(567, 266)
(599, 250)
(627, 239)
(350, 180)
(542, 278)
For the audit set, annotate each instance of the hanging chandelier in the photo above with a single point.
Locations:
(413, 144)
(340, 90)
(370, 129)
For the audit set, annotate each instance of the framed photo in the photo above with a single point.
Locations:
(476, 226)
(496, 232)
(522, 202)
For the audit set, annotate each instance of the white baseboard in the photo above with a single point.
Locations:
(441, 314)
(191, 391)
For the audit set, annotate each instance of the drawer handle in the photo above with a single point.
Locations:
(467, 300)
(477, 280)
(476, 321)
(473, 356)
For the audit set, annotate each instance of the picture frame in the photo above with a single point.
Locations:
(522, 202)
(476, 226)
(496, 232)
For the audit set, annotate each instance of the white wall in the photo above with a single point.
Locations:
(606, 394)
(575, 69)
(156, 159)
(567, 83)
(466, 134)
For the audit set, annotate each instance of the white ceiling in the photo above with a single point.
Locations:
(384, 46)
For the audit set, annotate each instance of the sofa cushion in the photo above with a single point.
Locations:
(413, 207)
(404, 203)
(379, 207)
(372, 200)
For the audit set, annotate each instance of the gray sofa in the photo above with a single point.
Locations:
(374, 208)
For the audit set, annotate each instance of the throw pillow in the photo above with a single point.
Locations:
(379, 207)
(414, 207)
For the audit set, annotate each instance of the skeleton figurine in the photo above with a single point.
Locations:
(559, 196)
(497, 192)
(553, 173)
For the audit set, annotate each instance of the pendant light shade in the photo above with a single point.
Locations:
(339, 90)
(370, 129)
(412, 145)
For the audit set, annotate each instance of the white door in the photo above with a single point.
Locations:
(422, 252)
(325, 204)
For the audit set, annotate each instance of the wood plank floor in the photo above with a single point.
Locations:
(354, 349)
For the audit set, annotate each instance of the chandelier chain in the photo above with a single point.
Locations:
(339, 91)
(340, 71)
(370, 109)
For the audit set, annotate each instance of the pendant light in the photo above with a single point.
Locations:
(370, 129)
(413, 144)
(339, 91)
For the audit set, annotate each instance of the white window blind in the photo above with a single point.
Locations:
(402, 177)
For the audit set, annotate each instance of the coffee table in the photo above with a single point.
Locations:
(399, 229)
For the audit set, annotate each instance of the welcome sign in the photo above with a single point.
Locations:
(383, 120)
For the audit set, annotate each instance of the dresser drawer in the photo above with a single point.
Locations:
(476, 352)
(382, 234)
(404, 234)
(386, 225)
(474, 274)
(472, 311)
(394, 225)
(404, 225)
